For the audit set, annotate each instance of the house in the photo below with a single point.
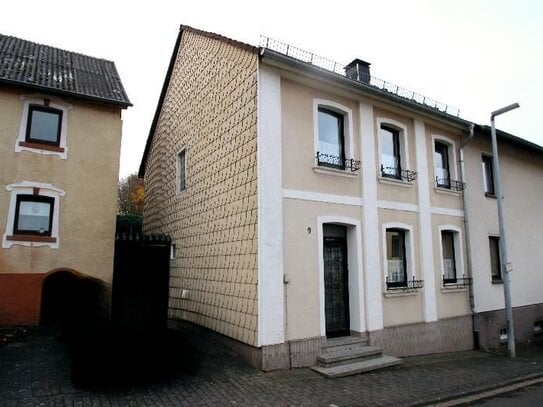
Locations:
(521, 168)
(308, 200)
(60, 126)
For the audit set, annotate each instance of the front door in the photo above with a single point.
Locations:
(336, 292)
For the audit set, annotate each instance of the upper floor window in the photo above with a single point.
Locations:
(181, 176)
(33, 216)
(441, 162)
(331, 148)
(495, 259)
(391, 160)
(488, 175)
(44, 125)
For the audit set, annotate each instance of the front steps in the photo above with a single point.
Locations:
(350, 355)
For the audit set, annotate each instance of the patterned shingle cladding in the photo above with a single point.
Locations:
(52, 69)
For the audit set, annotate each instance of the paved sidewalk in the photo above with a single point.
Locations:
(38, 369)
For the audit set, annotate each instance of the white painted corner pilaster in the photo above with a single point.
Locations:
(370, 227)
(271, 308)
(425, 224)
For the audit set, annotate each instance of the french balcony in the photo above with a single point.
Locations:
(339, 163)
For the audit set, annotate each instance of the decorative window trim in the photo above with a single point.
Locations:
(409, 252)
(404, 145)
(32, 188)
(347, 126)
(458, 251)
(46, 149)
(453, 171)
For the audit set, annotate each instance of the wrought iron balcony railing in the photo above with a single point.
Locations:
(332, 161)
(339, 69)
(407, 286)
(398, 173)
(451, 184)
(457, 282)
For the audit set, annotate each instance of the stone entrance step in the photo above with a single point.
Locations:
(350, 355)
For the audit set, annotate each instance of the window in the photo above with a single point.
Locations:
(449, 258)
(390, 152)
(33, 215)
(495, 260)
(396, 258)
(441, 162)
(181, 179)
(488, 176)
(331, 144)
(44, 125)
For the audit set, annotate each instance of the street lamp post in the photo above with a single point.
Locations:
(506, 265)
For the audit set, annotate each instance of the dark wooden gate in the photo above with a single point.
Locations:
(336, 286)
(140, 283)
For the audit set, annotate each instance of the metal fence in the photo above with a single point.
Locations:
(339, 69)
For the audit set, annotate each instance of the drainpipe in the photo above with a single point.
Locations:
(474, 315)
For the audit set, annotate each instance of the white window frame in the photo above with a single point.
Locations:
(458, 251)
(453, 173)
(403, 136)
(54, 103)
(409, 250)
(30, 188)
(178, 190)
(347, 125)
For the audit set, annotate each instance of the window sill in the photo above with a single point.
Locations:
(31, 238)
(409, 292)
(490, 195)
(497, 281)
(333, 171)
(393, 181)
(446, 191)
(39, 146)
(452, 289)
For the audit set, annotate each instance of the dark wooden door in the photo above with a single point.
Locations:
(336, 291)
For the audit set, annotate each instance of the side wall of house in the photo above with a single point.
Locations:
(88, 177)
(521, 172)
(210, 113)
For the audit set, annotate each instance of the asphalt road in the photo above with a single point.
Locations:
(527, 396)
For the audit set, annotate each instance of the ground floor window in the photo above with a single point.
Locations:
(396, 258)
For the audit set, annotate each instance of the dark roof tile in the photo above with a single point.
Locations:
(52, 69)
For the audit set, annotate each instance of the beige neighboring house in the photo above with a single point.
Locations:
(307, 201)
(521, 168)
(60, 127)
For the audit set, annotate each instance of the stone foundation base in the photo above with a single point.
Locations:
(448, 335)
(524, 318)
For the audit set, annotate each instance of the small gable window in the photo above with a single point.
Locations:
(44, 125)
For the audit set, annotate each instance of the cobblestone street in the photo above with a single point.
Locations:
(37, 369)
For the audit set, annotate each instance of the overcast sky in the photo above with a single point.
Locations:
(475, 55)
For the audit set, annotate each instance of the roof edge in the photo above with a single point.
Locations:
(141, 171)
(60, 92)
(209, 34)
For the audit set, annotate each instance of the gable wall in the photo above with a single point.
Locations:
(210, 111)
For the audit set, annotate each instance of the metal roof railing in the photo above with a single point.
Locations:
(369, 80)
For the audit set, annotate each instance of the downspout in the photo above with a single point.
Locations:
(474, 315)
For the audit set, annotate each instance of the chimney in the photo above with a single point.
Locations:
(358, 70)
